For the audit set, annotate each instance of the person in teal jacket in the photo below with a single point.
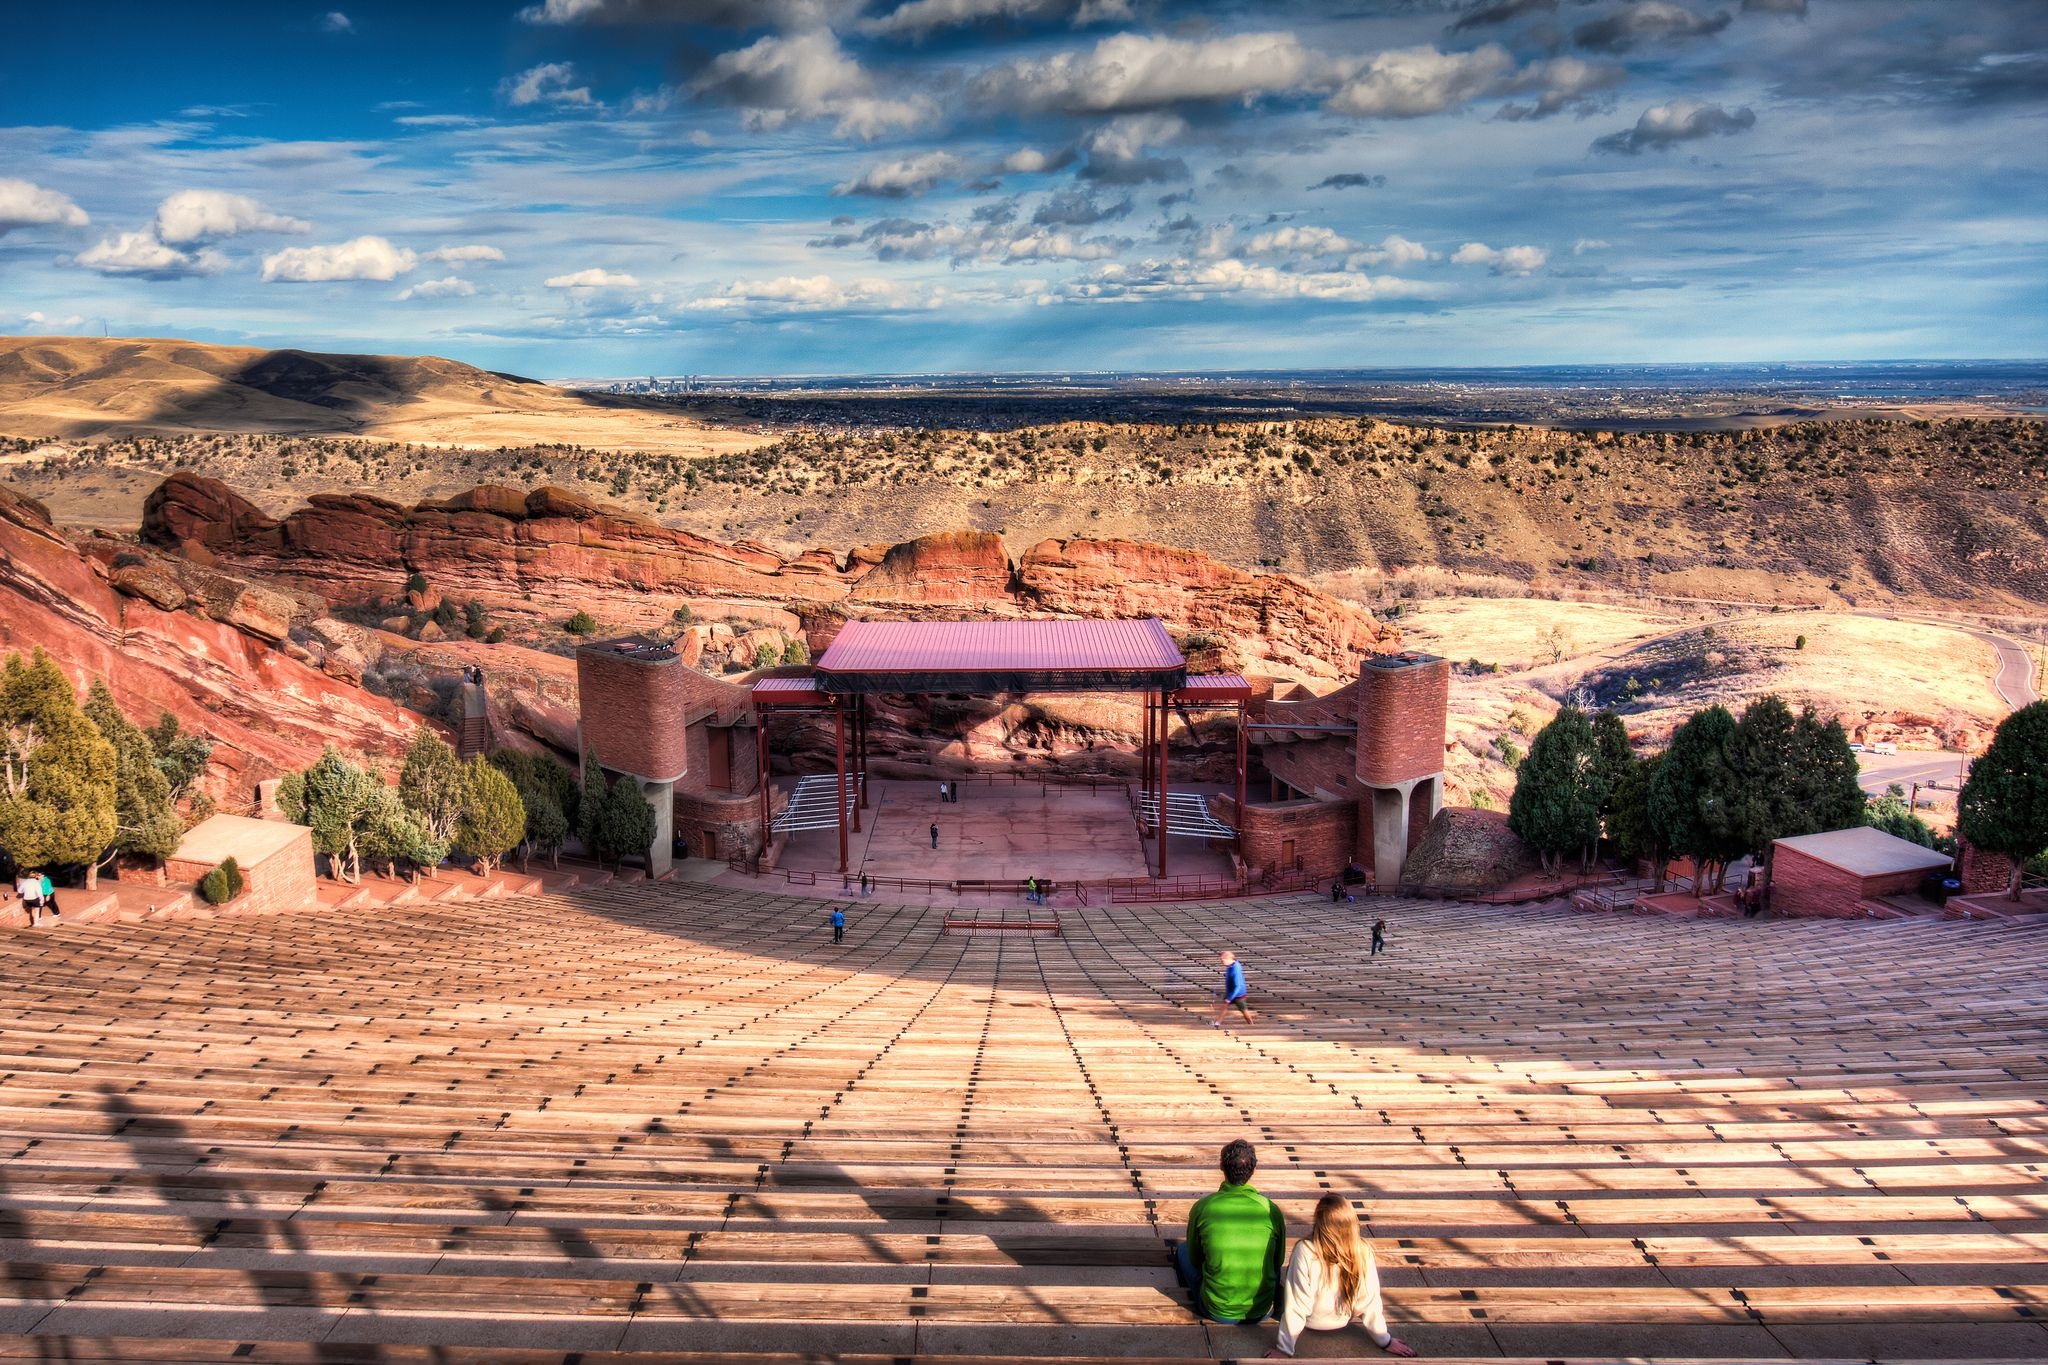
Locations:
(1230, 1261)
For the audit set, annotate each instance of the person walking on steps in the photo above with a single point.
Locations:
(29, 887)
(1332, 1282)
(1379, 937)
(935, 834)
(1230, 1260)
(838, 924)
(863, 883)
(1234, 990)
(50, 898)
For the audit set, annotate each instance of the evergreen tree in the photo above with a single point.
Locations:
(2003, 807)
(393, 835)
(493, 819)
(1694, 794)
(1559, 790)
(146, 825)
(1614, 756)
(1634, 834)
(431, 784)
(590, 802)
(625, 823)
(342, 803)
(182, 756)
(57, 773)
(546, 827)
(1797, 775)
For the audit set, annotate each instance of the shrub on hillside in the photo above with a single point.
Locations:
(582, 623)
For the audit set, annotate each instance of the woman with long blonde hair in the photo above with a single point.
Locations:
(1332, 1282)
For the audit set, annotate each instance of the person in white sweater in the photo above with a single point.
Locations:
(1332, 1282)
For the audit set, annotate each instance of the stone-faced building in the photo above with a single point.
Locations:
(686, 738)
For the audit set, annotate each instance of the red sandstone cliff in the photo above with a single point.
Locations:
(207, 650)
(550, 552)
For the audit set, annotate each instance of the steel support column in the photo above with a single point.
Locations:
(1243, 762)
(839, 777)
(1165, 719)
(761, 770)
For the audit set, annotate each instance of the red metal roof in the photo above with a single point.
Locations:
(787, 691)
(999, 647)
(1215, 687)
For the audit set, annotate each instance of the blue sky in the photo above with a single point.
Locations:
(592, 187)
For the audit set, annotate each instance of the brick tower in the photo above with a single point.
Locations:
(1403, 712)
(634, 718)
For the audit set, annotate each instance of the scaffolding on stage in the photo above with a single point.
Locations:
(810, 804)
(1187, 813)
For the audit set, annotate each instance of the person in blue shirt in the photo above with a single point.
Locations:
(1234, 990)
(838, 925)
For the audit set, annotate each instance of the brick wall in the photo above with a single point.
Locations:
(1804, 885)
(634, 711)
(734, 821)
(281, 882)
(1323, 832)
(1403, 712)
(1983, 872)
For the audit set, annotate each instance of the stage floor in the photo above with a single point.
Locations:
(999, 832)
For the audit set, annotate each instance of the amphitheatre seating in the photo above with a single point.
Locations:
(642, 1119)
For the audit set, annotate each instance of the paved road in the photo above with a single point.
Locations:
(1907, 767)
(2015, 681)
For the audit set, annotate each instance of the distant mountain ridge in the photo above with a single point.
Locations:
(89, 386)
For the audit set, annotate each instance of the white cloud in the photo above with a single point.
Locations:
(1131, 71)
(593, 278)
(1414, 81)
(901, 179)
(26, 205)
(1586, 244)
(815, 294)
(364, 258)
(1666, 125)
(463, 255)
(803, 76)
(142, 254)
(204, 215)
(717, 13)
(337, 22)
(548, 83)
(1394, 250)
(1183, 278)
(917, 18)
(1306, 242)
(1512, 260)
(1032, 161)
(454, 286)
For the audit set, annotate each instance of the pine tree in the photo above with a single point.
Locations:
(2003, 807)
(1694, 795)
(341, 803)
(181, 756)
(431, 784)
(146, 825)
(625, 824)
(493, 819)
(57, 773)
(1559, 790)
(590, 802)
(1614, 756)
(546, 827)
(1797, 775)
(393, 835)
(1634, 834)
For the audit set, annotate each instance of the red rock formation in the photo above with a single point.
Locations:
(551, 552)
(267, 711)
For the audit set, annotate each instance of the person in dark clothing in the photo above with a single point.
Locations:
(863, 884)
(1336, 892)
(1230, 1260)
(1379, 937)
(935, 834)
(838, 925)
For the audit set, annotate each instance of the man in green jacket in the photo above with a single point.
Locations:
(1230, 1262)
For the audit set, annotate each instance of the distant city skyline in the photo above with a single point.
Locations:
(759, 187)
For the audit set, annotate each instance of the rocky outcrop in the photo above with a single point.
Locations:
(968, 569)
(1470, 850)
(224, 674)
(551, 553)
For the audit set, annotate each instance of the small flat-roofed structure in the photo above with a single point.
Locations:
(276, 859)
(1832, 874)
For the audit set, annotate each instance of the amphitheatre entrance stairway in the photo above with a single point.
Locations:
(655, 1121)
